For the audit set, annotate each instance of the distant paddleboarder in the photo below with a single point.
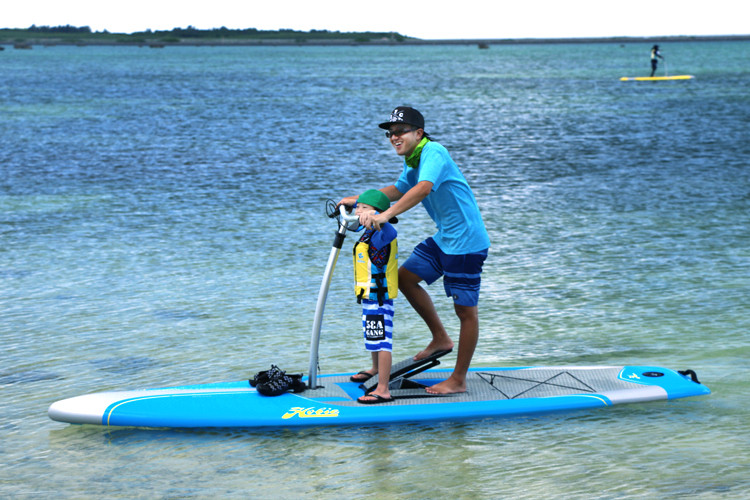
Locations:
(655, 56)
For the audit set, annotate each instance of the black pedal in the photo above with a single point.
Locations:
(402, 371)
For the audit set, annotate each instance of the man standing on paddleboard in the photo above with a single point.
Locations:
(456, 252)
(654, 61)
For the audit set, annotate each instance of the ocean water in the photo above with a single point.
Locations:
(162, 223)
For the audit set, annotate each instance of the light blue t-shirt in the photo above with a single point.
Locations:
(451, 204)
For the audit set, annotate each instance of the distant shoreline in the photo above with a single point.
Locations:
(615, 39)
(24, 39)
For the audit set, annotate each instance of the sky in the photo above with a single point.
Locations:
(431, 19)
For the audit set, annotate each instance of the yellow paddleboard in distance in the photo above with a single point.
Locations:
(655, 78)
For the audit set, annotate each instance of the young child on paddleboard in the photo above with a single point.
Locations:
(376, 285)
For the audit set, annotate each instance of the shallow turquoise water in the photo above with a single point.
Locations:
(161, 221)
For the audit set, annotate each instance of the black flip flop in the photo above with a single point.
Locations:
(367, 377)
(378, 399)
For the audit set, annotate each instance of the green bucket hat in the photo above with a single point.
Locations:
(378, 200)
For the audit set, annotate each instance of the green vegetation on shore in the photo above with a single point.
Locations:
(46, 35)
(71, 35)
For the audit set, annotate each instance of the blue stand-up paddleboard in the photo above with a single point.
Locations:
(332, 399)
(491, 392)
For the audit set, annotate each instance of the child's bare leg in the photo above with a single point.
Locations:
(381, 392)
(384, 373)
(365, 375)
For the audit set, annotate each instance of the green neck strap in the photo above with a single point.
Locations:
(413, 159)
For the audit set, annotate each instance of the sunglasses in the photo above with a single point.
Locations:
(399, 133)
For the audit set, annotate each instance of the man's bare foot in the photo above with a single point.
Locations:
(448, 386)
(432, 348)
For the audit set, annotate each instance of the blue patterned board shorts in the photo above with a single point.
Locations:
(461, 273)
(377, 325)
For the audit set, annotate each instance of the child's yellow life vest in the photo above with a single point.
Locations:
(372, 282)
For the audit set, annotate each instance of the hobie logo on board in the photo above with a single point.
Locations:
(310, 412)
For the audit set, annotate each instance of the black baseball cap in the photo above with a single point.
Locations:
(404, 114)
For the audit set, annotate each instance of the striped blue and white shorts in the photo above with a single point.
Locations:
(377, 325)
(461, 273)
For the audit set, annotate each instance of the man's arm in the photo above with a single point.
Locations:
(391, 192)
(405, 202)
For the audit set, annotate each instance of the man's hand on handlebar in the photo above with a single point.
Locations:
(348, 202)
(372, 220)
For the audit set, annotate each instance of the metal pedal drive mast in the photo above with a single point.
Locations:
(345, 223)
